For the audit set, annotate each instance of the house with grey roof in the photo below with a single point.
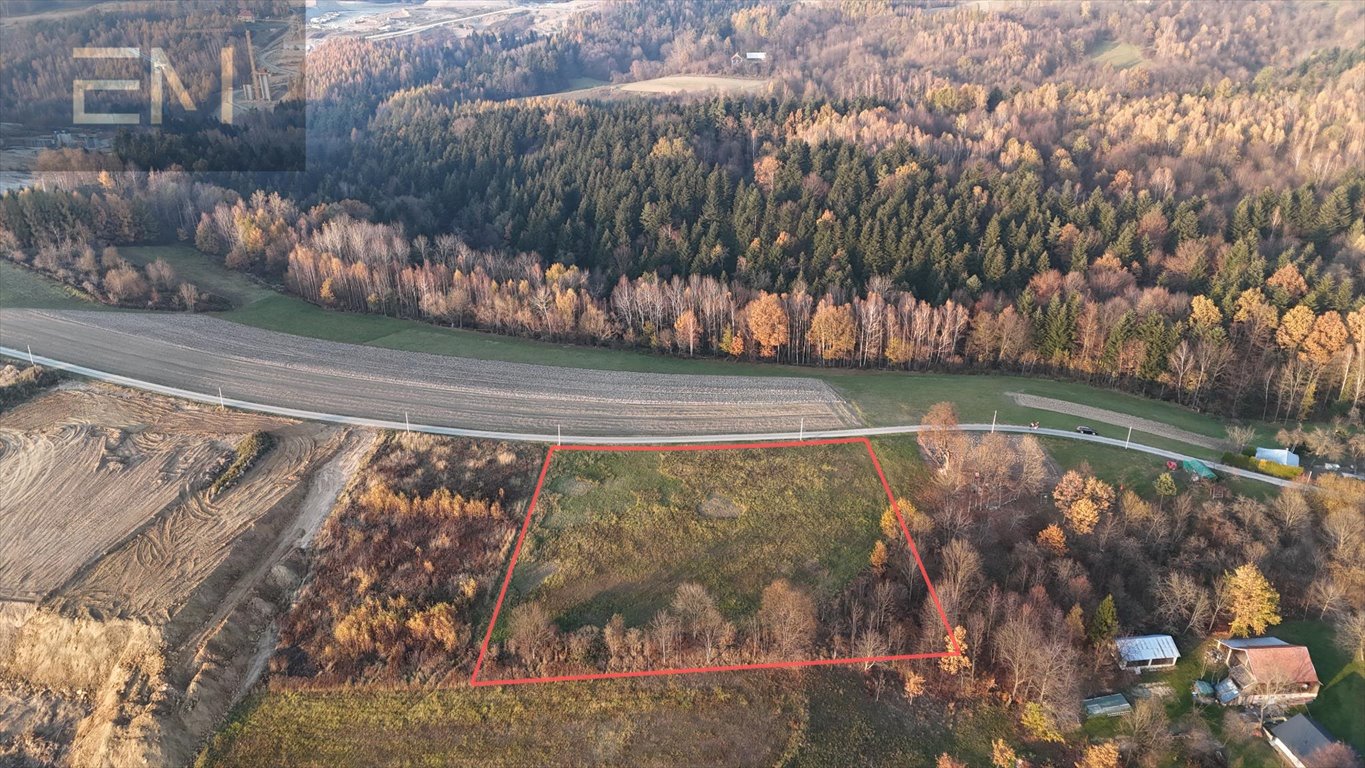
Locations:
(1299, 739)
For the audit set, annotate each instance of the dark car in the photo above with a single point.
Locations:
(1086, 430)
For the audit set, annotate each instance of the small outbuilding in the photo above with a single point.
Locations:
(1113, 705)
(1298, 739)
(1144, 652)
(1278, 455)
(1199, 469)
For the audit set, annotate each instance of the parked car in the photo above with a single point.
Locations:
(1084, 430)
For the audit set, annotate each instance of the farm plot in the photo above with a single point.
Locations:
(201, 354)
(620, 531)
(702, 558)
(147, 575)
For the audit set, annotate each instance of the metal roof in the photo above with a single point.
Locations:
(1292, 664)
(1254, 642)
(1109, 706)
(1279, 456)
(1302, 736)
(1147, 647)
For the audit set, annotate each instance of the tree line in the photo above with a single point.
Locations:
(1290, 345)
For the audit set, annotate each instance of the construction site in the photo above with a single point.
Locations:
(147, 563)
(383, 21)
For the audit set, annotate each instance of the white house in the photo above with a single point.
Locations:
(1279, 456)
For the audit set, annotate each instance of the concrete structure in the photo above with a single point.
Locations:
(1147, 652)
(1266, 671)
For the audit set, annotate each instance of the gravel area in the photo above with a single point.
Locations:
(1139, 424)
(201, 354)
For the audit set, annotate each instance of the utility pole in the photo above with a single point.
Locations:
(993, 415)
(30, 355)
(407, 426)
(803, 429)
(1129, 438)
(222, 404)
(559, 434)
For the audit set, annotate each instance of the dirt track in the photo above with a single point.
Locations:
(1122, 419)
(199, 353)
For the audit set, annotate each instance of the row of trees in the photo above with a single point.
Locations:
(1269, 354)
(1279, 348)
(691, 631)
(110, 278)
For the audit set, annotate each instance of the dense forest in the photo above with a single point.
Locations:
(997, 195)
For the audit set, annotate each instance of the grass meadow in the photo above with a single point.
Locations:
(618, 532)
(733, 720)
(814, 718)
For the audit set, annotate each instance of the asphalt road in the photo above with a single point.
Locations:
(200, 354)
(184, 355)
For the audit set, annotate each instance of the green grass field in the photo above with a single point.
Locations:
(1117, 55)
(881, 397)
(619, 532)
(201, 270)
(1340, 705)
(20, 287)
(847, 726)
(808, 719)
(736, 720)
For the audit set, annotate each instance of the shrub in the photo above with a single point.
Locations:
(1261, 465)
(18, 384)
(250, 449)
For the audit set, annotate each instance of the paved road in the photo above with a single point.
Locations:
(198, 353)
(377, 420)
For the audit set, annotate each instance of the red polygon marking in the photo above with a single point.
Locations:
(530, 511)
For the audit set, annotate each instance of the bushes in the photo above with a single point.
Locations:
(1261, 465)
(18, 384)
(250, 449)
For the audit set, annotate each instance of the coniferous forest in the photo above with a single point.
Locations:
(999, 194)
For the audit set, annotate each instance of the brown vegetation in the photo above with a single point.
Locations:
(405, 564)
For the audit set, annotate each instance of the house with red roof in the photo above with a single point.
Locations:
(1266, 671)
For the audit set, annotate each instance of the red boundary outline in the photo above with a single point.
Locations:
(530, 510)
